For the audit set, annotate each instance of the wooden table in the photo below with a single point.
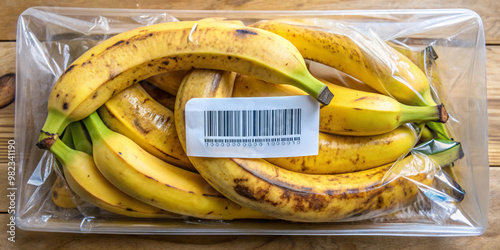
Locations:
(489, 11)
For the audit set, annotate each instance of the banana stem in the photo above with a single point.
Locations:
(439, 130)
(68, 139)
(55, 122)
(63, 153)
(96, 128)
(315, 88)
(80, 139)
(423, 113)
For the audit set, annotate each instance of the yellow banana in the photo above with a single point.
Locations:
(156, 182)
(168, 82)
(162, 97)
(426, 61)
(342, 47)
(132, 56)
(344, 154)
(351, 112)
(87, 182)
(135, 114)
(60, 192)
(61, 195)
(373, 62)
(293, 196)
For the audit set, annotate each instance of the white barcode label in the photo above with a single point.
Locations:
(252, 127)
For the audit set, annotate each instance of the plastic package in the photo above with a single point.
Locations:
(50, 39)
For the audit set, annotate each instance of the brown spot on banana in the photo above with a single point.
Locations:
(71, 67)
(115, 44)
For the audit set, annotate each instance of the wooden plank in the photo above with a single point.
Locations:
(487, 9)
(493, 81)
(8, 55)
(43, 240)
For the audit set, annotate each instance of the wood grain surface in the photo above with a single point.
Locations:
(488, 10)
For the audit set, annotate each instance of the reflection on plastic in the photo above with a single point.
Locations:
(87, 223)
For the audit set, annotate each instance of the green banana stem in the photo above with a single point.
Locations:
(55, 122)
(439, 129)
(67, 138)
(62, 152)
(315, 88)
(423, 113)
(80, 137)
(96, 127)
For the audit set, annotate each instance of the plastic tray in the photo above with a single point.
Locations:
(49, 39)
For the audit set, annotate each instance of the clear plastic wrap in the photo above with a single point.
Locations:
(50, 39)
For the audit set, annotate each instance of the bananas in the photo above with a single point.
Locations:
(389, 73)
(129, 57)
(153, 181)
(345, 154)
(135, 114)
(366, 59)
(262, 186)
(351, 112)
(136, 165)
(88, 183)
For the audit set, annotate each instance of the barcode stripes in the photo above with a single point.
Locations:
(252, 123)
(287, 139)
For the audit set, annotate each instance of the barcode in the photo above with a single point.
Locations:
(254, 141)
(252, 123)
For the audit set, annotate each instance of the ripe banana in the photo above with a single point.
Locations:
(87, 182)
(344, 154)
(61, 195)
(168, 82)
(366, 59)
(351, 112)
(293, 196)
(348, 50)
(162, 97)
(135, 114)
(426, 61)
(60, 192)
(132, 56)
(153, 181)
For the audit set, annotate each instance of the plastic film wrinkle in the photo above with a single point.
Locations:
(190, 38)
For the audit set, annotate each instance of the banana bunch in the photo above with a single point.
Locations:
(127, 148)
